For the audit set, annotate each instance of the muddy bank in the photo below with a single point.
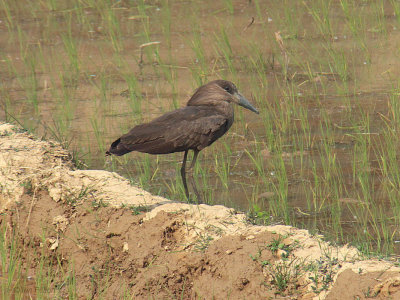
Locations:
(119, 240)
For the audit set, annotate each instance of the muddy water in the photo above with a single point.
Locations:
(82, 73)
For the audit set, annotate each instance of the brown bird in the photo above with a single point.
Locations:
(206, 117)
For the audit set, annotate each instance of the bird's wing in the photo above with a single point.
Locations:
(199, 133)
(180, 130)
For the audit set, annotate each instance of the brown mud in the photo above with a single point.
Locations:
(113, 240)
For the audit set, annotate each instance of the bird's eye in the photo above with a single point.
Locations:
(228, 89)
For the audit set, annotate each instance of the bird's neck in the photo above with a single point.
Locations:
(212, 98)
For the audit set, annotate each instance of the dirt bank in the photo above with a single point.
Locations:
(116, 240)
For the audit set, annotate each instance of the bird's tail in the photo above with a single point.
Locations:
(117, 148)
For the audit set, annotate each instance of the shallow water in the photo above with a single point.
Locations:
(78, 72)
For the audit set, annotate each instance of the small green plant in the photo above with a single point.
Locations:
(256, 215)
(75, 198)
(12, 281)
(285, 274)
(279, 244)
(99, 203)
(202, 242)
(27, 185)
(323, 271)
(370, 293)
(137, 209)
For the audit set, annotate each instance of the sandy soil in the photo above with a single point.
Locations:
(122, 240)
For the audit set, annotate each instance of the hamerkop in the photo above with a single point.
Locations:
(206, 117)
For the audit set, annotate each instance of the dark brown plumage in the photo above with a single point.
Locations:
(206, 117)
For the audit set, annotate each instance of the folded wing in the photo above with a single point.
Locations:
(179, 130)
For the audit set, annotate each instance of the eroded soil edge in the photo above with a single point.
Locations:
(112, 240)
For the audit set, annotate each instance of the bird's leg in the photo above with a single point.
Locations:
(183, 174)
(192, 181)
(193, 184)
(196, 152)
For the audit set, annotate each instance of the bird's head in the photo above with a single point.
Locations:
(220, 90)
(234, 95)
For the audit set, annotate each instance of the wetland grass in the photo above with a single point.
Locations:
(16, 284)
(10, 266)
(325, 143)
(199, 67)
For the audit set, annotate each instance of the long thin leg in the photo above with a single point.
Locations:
(194, 187)
(191, 179)
(196, 152)
(183, 174)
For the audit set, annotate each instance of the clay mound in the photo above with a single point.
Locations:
(119, 240)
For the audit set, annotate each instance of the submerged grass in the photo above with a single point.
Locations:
(322, 154)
